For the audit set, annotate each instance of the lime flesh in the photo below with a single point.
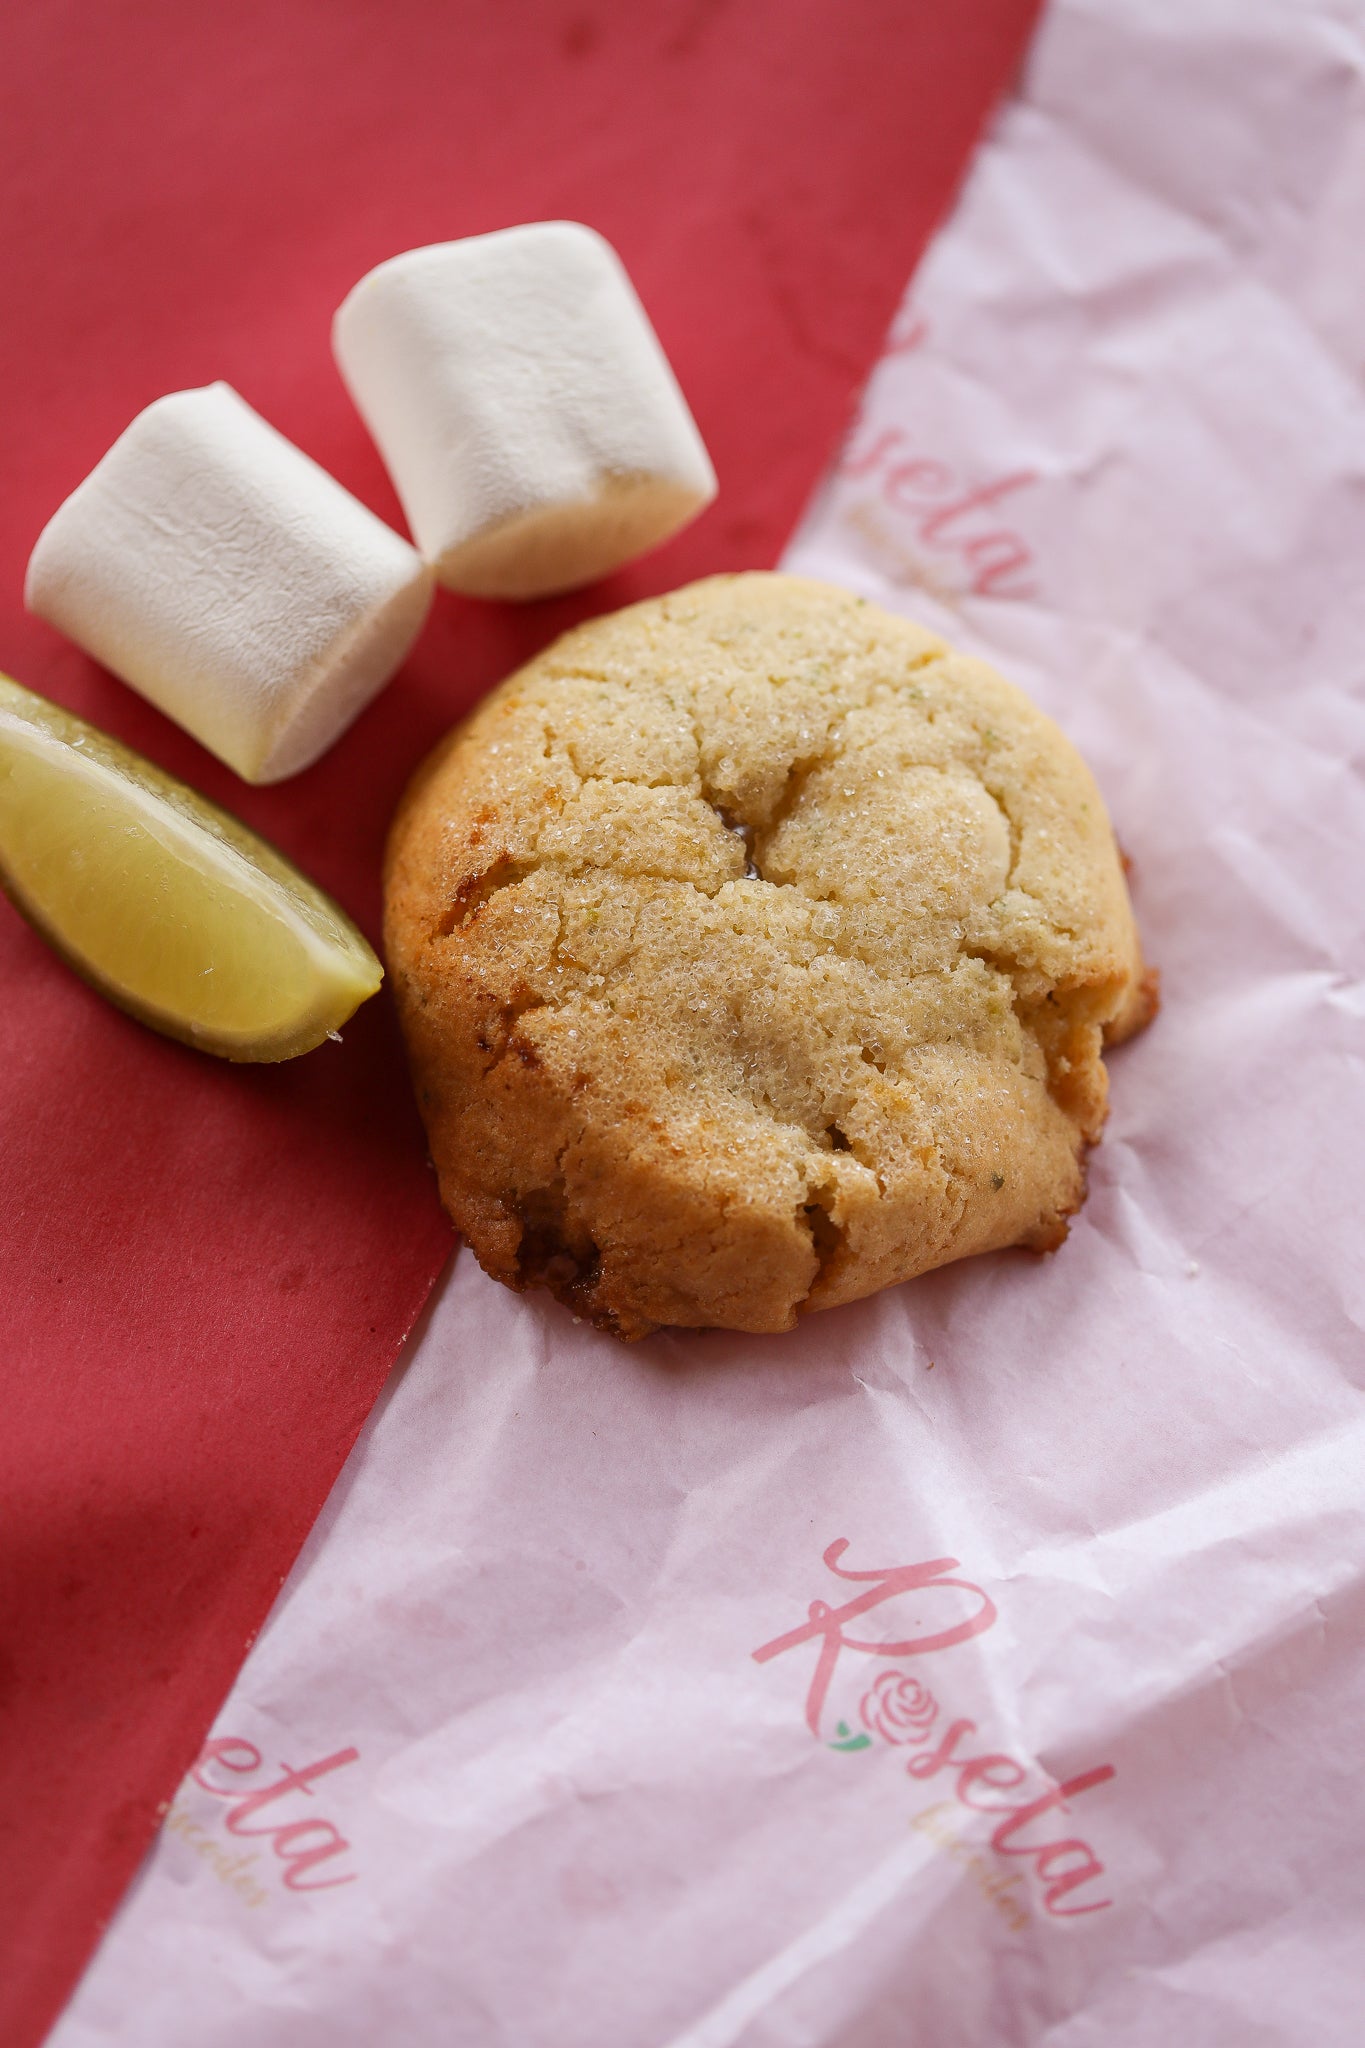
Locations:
(164, 903)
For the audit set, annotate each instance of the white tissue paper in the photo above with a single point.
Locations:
(980, 1664)
(215, 567)
(530, 420)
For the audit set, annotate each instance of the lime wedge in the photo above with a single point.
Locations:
(164, 903)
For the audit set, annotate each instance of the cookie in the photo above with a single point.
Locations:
(755, 951)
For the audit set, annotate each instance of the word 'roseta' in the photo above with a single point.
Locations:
(900, 1710)
(301, 1845)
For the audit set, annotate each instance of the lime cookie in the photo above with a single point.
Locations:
(755, 951)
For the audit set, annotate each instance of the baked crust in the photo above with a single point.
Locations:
(754, 951)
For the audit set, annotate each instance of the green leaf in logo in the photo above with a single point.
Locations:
(852, 1741)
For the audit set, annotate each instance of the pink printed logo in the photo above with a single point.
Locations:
(931, 1609)
(306, 1846)
(957, 519)
(828, 1625)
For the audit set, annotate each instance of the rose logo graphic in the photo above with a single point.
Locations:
(899, 1708)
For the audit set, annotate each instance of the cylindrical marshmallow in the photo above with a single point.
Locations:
(221, 572)
(533, 428)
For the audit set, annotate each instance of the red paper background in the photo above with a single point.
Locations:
(205, 1271)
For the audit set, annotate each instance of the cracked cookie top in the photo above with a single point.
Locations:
(754, 951)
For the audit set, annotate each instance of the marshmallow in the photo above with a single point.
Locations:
(213, 566)
(528, 416)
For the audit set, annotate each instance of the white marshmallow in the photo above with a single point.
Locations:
(528, 416)
(221, 572)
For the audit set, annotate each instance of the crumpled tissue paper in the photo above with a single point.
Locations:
(981, 1663)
